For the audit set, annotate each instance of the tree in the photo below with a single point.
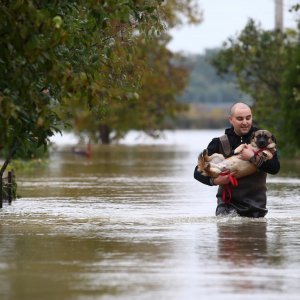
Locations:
(149, 107)
(157, 77)
(72, 47)
(291, 105)
(205, 86)
(259, 59)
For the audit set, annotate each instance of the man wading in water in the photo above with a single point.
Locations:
(249, 197)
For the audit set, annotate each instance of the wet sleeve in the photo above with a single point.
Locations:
(271, 166)
(200, 177)
(213, 147)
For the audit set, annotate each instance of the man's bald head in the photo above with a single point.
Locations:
(238, 106)
(240, 118)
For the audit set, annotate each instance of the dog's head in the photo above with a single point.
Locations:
(263, 139)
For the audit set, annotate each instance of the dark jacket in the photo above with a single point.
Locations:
(249, 197)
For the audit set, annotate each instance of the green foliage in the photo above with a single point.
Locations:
(151, 105)
(163, 82)
(26, 116)
(28, 166)
(291, 104)
(295, 7)
(82, 50)
(118, 100)
(261, 61)
(86, 53)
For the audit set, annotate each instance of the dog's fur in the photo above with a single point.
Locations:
(262, 142)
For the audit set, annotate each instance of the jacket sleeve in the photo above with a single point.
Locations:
(200, 177)
(213, 147)
(271, 166)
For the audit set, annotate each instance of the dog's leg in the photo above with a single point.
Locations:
(205, 155)
(267, 155)
(202, 160)
(239, 149)
(213, 170)
(272, 145)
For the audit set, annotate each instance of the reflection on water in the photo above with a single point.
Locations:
(132, 223)
(243, 243)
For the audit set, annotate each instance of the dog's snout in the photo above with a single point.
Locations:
(261, 142)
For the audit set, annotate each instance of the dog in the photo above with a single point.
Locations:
(263, 144)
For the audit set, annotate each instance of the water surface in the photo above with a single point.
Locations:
(132, 223)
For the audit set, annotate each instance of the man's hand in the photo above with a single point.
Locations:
(222, 179)
(247, 153)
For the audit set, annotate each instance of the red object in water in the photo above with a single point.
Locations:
(87, 153)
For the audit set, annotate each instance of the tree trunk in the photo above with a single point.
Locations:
(11, 153)
(104, 132)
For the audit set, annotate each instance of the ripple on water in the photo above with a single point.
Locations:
(133, 224)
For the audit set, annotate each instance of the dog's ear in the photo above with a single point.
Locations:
(253, 135)
(273, 139)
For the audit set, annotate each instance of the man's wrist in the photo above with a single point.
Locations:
(253, 159)
(211, 181)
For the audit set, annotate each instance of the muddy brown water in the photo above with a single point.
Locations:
(132, 223)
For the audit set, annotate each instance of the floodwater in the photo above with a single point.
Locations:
(132, 223)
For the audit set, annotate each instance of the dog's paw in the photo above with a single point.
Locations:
(239, 149)
(201, 161)
(267, 155)
(271, 146)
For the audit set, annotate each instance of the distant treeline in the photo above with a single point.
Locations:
(206, 86)
(207, 95)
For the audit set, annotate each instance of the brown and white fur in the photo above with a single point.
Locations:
(262, 142)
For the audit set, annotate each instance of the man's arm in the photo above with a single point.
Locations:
(203, 179)
(213, 147)
(271, 166)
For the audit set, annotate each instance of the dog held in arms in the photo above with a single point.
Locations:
(263, 145)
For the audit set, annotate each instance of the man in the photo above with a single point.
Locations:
(248, 198)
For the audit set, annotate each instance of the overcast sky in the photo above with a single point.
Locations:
(225, 18)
